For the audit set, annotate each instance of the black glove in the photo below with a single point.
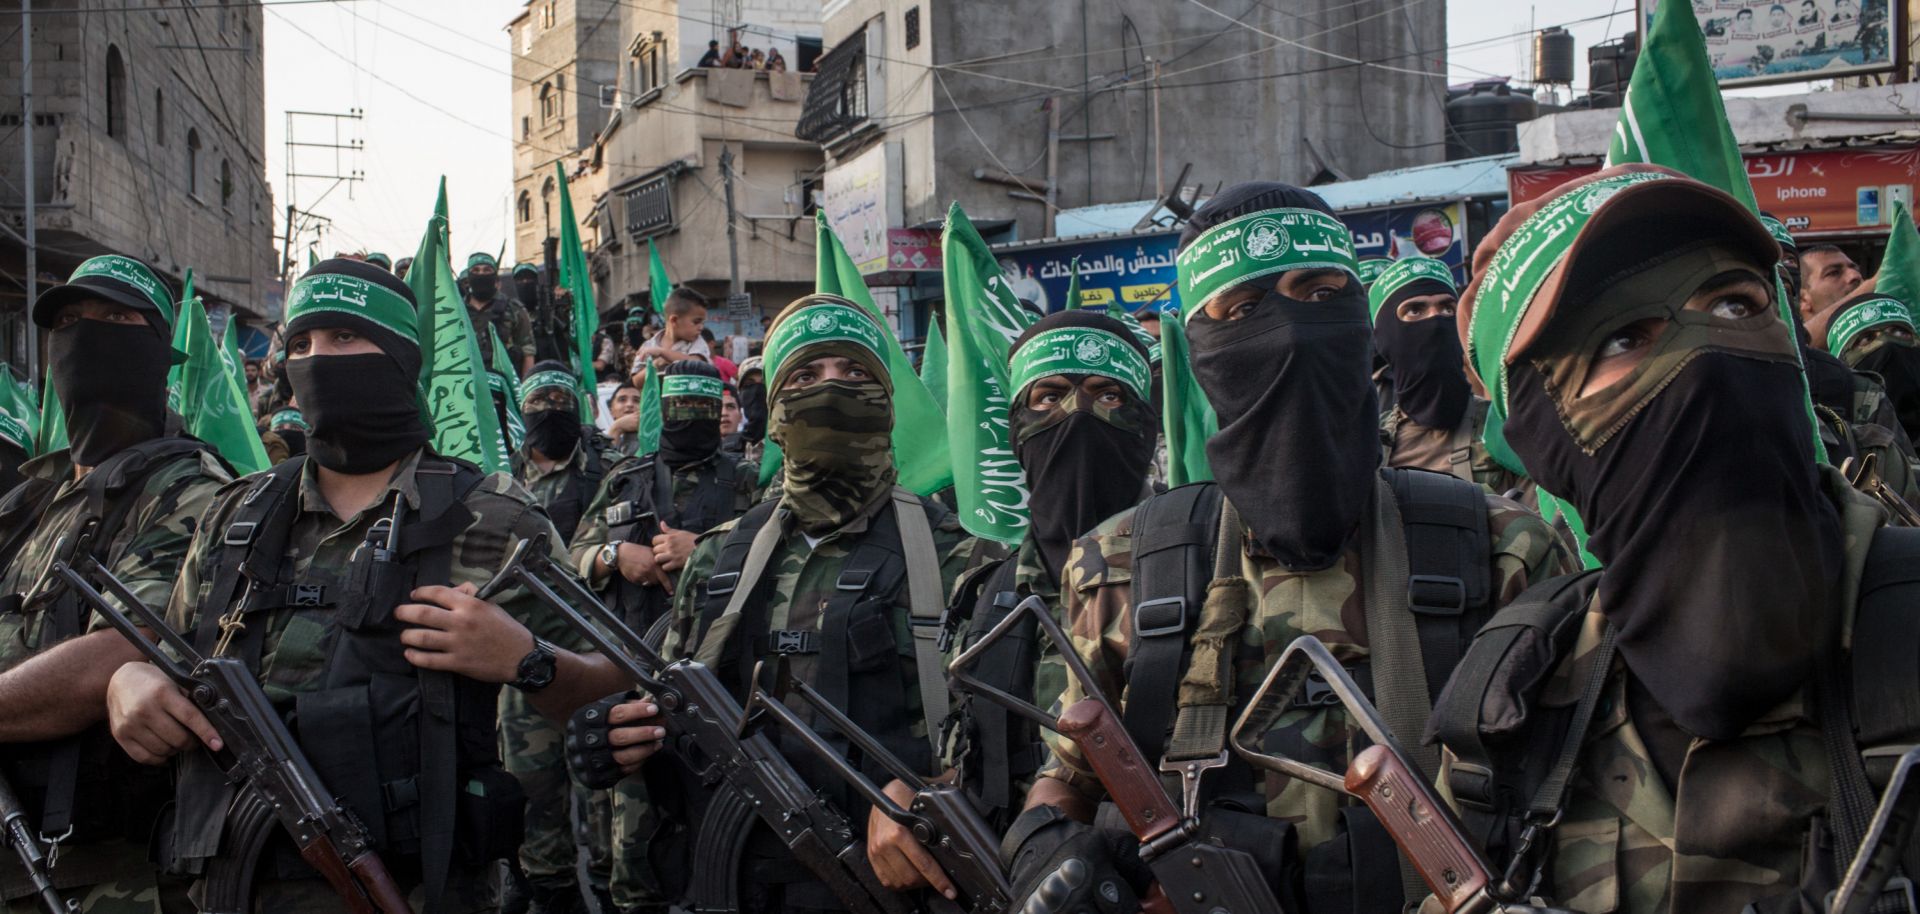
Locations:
(1067, 867)
(589, 749)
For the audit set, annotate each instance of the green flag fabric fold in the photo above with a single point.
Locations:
(50, 432)
(579, 282)
(500, 383)
(453, 383)
(652, 418)
(984, 317)
(206, 392)
(19, 412)
(1899, 275)
(1187, 419)
(658, 285)
(933, 365)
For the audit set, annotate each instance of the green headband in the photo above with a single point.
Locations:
(541, 380)
(288, 417)
(690, 385)
(475, 260)
(342, 294)
(1404, 273)
(1521, 266)
(1081, 350)
(826, 322)
(1371, 268)
(1261, 244)
(133, 273)
(1873, 312)
(1778, 230)
(520, 268)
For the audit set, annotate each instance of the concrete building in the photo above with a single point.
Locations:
(921, 103)
(678, 133)
(147, 141)
(565, 74)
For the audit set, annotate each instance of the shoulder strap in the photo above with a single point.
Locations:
(926, 606)
(735, 576)
(1449, 579)
(248, 566)
(1173, 539)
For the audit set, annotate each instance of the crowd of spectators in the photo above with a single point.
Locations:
(737, 56)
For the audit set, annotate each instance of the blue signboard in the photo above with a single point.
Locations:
(1438, 231)
(1136, 271)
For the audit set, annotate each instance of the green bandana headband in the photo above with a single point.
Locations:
(1778, 230)
(1521, 266)
(540, 380)
(520, 268)
(690, 385)
(133, 273)
(343, 294)
(288, 417)
(1261, 244)
(1868, 314)
(475, 260)
(1371, 268)
(822, 323)
(1081, 350)
(1403, 273)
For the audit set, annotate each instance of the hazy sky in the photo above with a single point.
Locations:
(431, 77)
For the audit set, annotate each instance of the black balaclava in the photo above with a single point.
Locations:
(364, 410)
(112, 383)
(1299, 439)
(526, 288)
(752, 395)
(483, 287)
(552, 432)
(1084, 462)
(1898, 364)
(1429, 368)
(1694, 472)
(689, 426)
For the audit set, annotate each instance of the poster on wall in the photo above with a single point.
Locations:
(1438, 231)
(854, 194)
(1762, 41)
(1137, 271)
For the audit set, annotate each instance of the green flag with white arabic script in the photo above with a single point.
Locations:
(1673, 115)
(203, 390)
(652, 419)
(983, 319)
(453, 382)
(50, 433)
(579, 282)
(19, 411)
(506, 394)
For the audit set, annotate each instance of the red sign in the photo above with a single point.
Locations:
(913, 250)
(1822, 192)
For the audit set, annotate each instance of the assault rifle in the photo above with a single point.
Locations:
(940, 816)
(15, 831)
(275, 782)
(1876, 865)
(1197, 876)
(1380, 776)
(704, 727)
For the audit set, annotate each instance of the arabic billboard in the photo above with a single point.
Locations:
(1823, 192)
(1761, 41)
(1136, 270)
(854, 194)
(1437, 231)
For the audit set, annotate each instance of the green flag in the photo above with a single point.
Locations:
(919, 427)
(1073, 283)
(579, 282)
(206, 394)
(1187, 417)
(1673, 115)
(933, 365)
(651, 417)
(18, 411)
(658, 285)
(1899, 274)
(500, 384)
(453, 383)
(983, 319)
(50, 433)
(313, 259)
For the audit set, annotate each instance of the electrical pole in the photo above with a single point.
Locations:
(26, 130)
(1159, 175)
(736, 286)
(338, 174)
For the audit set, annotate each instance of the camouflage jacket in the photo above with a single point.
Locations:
(145, 552)
(551, 485)
(803, 579)
(296, 643)
(508, 318)
(1457, 452)
(1329, 604)
(1629, 844)
(687, 480)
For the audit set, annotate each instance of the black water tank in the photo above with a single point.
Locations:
(1610, 66)
(1485, 120)
(1553, 56)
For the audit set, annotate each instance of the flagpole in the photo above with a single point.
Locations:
(26, 131)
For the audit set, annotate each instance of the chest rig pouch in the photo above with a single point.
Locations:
(412, 752)
(122, 799)
(998, 750)
(644, 486)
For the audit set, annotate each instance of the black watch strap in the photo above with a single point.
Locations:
(539, 667)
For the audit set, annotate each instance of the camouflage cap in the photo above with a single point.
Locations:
(821, 325)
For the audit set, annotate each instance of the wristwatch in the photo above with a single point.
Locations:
(537, 668)
(610, 555)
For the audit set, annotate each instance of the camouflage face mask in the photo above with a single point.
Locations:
(837, 438)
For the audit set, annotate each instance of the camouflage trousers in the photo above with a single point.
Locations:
(115, 878)
(124, 897)
(468, 892)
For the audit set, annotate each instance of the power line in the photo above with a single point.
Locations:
(167, 9)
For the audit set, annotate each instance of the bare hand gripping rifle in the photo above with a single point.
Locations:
(704, 727)
(1380, 776)
(15, 832)
(1198, 876)
(274, 781)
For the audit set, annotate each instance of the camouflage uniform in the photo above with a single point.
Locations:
(296, 642)
(532, 745)
(508, 318)
(1872, 428)
(146, 552)
(1457, 452)
(1630, 845)
(1329, 604)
